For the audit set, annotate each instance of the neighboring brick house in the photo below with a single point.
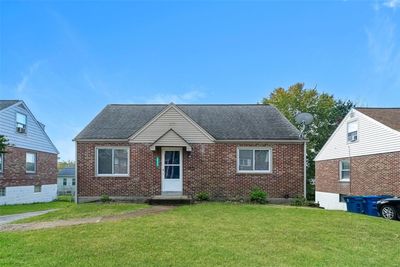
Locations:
(362, 157)
(138, 151)
(28, 169)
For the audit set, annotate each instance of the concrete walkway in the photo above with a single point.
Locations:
(15, 217)
(59, 223)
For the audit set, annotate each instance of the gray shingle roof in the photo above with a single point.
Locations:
(223, 122)
(68, 171)
(388, 116)
(6, 103)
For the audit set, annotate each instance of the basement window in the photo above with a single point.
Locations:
(2, 191)
(37, 189)
(112, 161)
(341, 198)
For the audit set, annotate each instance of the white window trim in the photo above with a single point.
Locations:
(254, 148)
(340, 172)
(37, 192)
(34, 171)
(26, 122)
(347, 132)
(111, 175)
(2, 163)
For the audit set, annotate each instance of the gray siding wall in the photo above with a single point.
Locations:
(172, 120)
(170, 139)
(35, 138)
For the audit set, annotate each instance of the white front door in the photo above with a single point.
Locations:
(171, 170)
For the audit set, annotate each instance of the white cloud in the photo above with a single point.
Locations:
(392, 3)
(188, 97)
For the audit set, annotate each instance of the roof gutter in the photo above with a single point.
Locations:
(100, 140)
(263, 141)
(216, 141)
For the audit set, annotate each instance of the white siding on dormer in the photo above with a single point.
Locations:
(35, 138)
(373, 138)
(171, 119)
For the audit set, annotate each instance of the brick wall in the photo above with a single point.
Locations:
(377, 174)
(208, 168)
(14, 168)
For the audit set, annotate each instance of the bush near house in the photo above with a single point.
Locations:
(257, 195)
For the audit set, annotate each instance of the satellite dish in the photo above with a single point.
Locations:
(304, 118)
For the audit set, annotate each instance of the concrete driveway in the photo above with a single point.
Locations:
(15, 217)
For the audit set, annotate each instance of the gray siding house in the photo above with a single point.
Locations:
(28, 169)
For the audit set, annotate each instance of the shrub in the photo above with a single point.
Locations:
(105, 198)
(203, 196)
(301, 201)
(258, 195)
(66, 198)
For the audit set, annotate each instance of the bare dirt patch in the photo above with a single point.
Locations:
(61, 223)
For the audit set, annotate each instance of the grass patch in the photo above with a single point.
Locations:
(21, 208)
(214, 235)
(84, 210)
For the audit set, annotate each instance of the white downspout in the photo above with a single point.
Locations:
(305, 170)
(76, 173)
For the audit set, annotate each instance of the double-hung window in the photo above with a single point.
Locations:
(30, 162)
(352, 132)
(254, 160)
(21, 123)
(1, 162)
(112, 161)
(344, 169)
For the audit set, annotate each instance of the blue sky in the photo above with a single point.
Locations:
(68, 60)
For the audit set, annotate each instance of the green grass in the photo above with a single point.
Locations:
(213, 235)
(21, 208)
(85, 210)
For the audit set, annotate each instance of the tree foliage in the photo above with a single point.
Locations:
(65, 164)
(3, 144)
(326, 110)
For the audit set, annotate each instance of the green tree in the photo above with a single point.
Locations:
(3, 144)
(327, 111)
(65, 164)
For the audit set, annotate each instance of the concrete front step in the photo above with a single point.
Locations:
(170, 200)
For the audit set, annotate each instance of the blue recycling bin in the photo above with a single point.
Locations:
(369, 204)
(354, 204)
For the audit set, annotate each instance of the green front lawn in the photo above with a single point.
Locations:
(213, 235)
(85, 210)
(21, 208)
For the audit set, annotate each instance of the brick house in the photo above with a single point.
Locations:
(362, 157)
(135, 152)
(28, 169)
